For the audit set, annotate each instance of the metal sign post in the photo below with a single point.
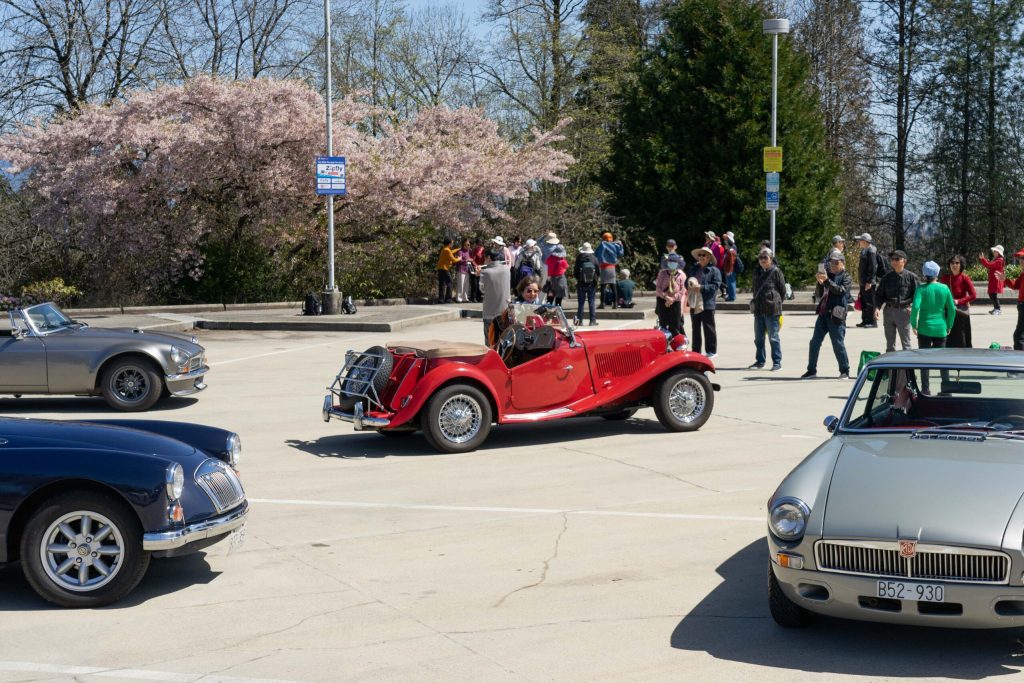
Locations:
(774, 27)
(331, 297)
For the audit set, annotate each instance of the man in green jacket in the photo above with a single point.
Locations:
(932, 314)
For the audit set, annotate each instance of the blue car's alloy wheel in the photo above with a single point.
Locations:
(83, 549)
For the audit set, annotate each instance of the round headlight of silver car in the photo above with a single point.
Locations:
(788, 518)
(234, 449)
(180, 357)
(175, 481)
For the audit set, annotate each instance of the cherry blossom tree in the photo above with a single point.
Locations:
(136, 187)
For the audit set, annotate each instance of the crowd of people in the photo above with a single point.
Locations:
(934, 307)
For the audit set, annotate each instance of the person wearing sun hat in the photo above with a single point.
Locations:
(670, 288)
(502, 250)
(547, 245)
(707, 280)
(585, 270)
(996, 267)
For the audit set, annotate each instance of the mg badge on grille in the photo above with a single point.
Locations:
(908, 548)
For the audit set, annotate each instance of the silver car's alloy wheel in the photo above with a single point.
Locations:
(460, 418)
(130, 384)
(687, 400)
(81, 551)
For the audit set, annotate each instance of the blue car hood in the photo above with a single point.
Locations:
(78, 435)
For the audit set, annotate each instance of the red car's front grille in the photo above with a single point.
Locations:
(619, 364)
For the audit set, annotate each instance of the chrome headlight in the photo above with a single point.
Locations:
(788, 518)
(234, 449)
(180, 357)
(174, 481)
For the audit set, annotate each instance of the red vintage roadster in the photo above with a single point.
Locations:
(540, 369)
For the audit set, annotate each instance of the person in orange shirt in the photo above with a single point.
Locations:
(445, 260)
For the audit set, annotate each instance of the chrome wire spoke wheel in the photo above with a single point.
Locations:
(687, 400)
(130, 384)
(82, 551)
(460, 418)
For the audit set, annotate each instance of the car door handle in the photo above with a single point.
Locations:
(567, 367)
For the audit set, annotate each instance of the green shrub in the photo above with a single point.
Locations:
(54, 290)
(979, 273)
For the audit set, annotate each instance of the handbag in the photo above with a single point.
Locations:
(858, 304)
(839, 312)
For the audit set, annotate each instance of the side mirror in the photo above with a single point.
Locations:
(831, 422)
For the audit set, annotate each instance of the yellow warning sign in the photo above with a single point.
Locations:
(772, 159)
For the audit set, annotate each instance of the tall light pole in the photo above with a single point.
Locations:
(774, 27)
(332, 298)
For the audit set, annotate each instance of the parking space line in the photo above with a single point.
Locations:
(273, 353)
(131, 674)
(510, 510)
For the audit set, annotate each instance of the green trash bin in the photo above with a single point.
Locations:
(866, 357)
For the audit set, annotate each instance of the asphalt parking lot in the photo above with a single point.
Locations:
(581, 550)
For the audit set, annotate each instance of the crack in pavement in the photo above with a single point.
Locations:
(396, 610)
(641, 467)
(596, 620)
(547, 563)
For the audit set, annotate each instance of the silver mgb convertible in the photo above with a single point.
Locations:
(42, 351)
(913, 512)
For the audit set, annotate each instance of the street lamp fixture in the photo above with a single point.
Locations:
(774, 27)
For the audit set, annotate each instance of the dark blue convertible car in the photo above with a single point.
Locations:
(84, 505)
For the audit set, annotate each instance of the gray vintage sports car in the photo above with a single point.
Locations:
(913, 512)
(42, 351)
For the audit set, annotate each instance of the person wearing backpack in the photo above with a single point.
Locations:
(867, 271)
(732, 266)
(527, 262)
(585, 271)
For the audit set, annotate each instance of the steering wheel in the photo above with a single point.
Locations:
(509, 340)
(1015, 421)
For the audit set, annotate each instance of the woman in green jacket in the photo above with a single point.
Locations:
(934, 311)
(932, 315)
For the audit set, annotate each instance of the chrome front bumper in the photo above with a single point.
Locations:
(356, 417)
(841, 595)
(218, 526)
(186, 383)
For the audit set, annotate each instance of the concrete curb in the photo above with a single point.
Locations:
(334, 324)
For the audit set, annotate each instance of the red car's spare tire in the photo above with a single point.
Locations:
(375, 362)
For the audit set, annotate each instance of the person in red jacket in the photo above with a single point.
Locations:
(1018, 333)
(959, 283)
(995, 267)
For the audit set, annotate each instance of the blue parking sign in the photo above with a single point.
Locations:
(330, 175)
(771, 200)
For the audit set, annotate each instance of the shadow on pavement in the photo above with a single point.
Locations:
(27, 405)
(733, 623)
(164, 576)
(373, 445)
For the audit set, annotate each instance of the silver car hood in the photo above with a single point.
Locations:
(177, 338)
(945, 492)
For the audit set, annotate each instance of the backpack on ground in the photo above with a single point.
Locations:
(348, 306)
(311, 304)
(588, 272)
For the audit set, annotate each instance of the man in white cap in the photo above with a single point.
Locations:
(867, 270)
(996, 268)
